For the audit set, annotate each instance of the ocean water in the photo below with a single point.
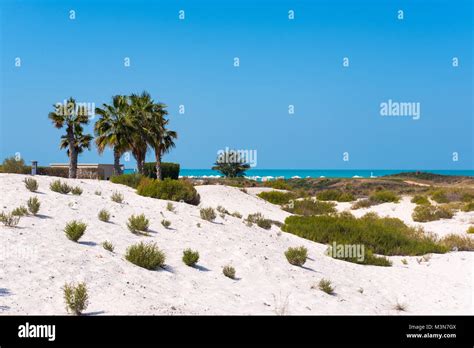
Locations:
(314, 173)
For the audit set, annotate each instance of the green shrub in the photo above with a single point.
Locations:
(468, 206)
(278, 184)
(9, 220)
(362, 203)
(33, 205)
(346, 197)
(166, 223)
(383, 236)
(265, 224)
(170, 207)
(76, 297)
(326, 286)
(229, 271)
(20, 211)
(328, 195)
(276, 197)
(168, 189)
(253, 218)
(467, 197)
(168, 170)
(425, 213)
(310, 207)
(335, 195)
(439, 196)
(453, 206)
(420, 200)
(148, 256)
(60, 187)
(31, 184)
(444, 212)
(131, 180)
(260, 220)
(104, 215)
(190, 257)
(55, 186)
(458, 242)
(222, 210)
(108, 246)
(297, 256)
(15, 166)
(74, 230)
(470, 229)
(384, 196)
(77, 191)
(237, 215)
(138, 223)
(52, 171)
(117, 197)
(368, 258)
(207, 214)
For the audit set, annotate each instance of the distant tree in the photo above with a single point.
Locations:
(231, 164)
(13, 165)
(72, 117)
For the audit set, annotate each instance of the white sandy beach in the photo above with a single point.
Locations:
(36, 259)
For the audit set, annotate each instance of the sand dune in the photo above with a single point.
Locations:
(37, 259)
(404, 209)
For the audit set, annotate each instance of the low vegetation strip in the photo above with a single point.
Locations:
(377, 197)
(335, 195)
(131, 180)
(277, 197)
(426, 213)
(309, 207)
(173, 190)
(384, 236)
(384, 196)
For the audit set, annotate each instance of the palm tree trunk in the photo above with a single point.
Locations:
(140, 166)
(139, 153)
(117, 169)
(72, 154)
(73, 163)
(158, 164)
(140, 161)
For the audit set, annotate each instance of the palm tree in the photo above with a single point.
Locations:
(112, 130)
(141, 106)
(231, 163)
(158, 136)
(81, 142)
(71, 117)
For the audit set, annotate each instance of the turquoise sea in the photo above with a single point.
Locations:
(315, 173)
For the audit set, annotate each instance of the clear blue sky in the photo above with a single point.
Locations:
(283, 62)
